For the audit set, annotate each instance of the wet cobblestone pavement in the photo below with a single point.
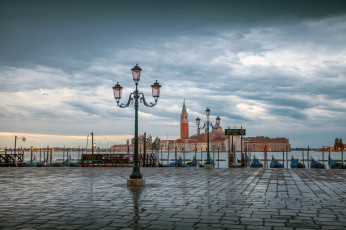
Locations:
(183, 198)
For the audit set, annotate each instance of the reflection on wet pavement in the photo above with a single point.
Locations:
(93, 198)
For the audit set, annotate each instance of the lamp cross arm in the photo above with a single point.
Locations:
(214, 126)
(121, 105)
(205, 125)
(142, 99)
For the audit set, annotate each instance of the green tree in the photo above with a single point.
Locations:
(148, 141)
(336, 143)
(156, 143)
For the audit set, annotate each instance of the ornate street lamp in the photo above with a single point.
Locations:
(136, 96)
(208, 163)
(15, 142)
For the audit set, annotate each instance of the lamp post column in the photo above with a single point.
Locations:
(92, 143)
(15, 144)
(136, 172)
(208, 154)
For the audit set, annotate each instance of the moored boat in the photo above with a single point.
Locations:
(193, 163)
(275, 163)
(335, 165)
(32, 163)
(316, 164)
(296, 164)
(256, 163)
(74, 162)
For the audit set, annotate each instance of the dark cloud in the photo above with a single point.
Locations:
(253, 63)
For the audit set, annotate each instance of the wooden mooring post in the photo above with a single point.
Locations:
(63, 156)
(51, 155)
(67, 158)
(283, 157)
(183, 150)
(161, 156)
(196, 157)
(329, 158)
(303, 156)
(175, 151)
(201, 156)
(218, 157)
(308, 157)
(31, 154)
(265, 156)
(245, 153)
(342, 156)
(287, 156)
(214, 154)
(168, 154)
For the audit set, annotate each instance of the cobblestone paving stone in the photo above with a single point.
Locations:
(183, 198)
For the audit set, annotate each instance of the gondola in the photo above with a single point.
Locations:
(316, 164)
(193, 163)
(335, 165)
(296, 164)
(256, 163)
(211, 161)
(172, 164)
(275, 163)
(74, 162)
(32, 163)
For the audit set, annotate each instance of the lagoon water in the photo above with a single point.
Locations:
(223, 156)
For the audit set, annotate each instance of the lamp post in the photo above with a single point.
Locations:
(15, 142)
(92, 143)
(208, 163)
(136, 97)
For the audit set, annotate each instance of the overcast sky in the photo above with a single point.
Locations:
(278, 68)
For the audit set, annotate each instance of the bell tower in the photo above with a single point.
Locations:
(184, 123)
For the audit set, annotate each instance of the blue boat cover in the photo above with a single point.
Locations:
(256, 163)
(275, 163)
(316, 164)
(296, 164)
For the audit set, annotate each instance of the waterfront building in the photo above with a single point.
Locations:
(259, 144)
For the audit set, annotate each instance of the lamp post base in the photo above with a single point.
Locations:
(135, 182)
(208, 166)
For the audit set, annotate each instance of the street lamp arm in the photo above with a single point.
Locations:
(142, 98)
(128, 103)
(214, 127)
(205, 125)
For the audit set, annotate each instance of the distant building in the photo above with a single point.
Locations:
(259, 144)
